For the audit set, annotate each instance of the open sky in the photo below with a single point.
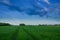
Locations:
(30, 11)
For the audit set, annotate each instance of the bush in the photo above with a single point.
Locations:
(22, 24)
(39, 25)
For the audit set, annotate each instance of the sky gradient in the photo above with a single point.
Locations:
(31, 12)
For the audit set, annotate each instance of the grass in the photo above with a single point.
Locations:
(6, 32)
(29, 32)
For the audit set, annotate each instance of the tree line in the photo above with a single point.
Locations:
(22, 24)
(5, 24)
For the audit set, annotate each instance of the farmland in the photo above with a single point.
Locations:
(29, 32)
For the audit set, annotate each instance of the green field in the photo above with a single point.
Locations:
(29, 32)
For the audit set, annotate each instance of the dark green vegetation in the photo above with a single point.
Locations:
(29, 32)
(5, 24)
(22, 24)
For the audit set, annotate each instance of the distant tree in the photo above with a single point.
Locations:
(56, 24)
(39, 25)
(59, 24)
(43, 25)
(4, 24)
(22, 24)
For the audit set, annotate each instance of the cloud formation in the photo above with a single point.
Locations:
(6, 2)
(47, 1)
(23, 7)
(31, 7)
(30, 11)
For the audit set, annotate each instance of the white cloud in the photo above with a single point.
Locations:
(6, 2)
(46, 1)
(46, 9)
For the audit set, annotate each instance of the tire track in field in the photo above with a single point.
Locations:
(14, 37)
(33, 37)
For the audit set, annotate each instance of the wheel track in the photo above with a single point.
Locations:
(14, 37)
(33, 37)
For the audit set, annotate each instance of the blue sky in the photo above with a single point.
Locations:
(30, 11)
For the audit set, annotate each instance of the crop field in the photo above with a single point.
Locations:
(29, 32)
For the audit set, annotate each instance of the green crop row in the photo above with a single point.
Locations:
(29, 32)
